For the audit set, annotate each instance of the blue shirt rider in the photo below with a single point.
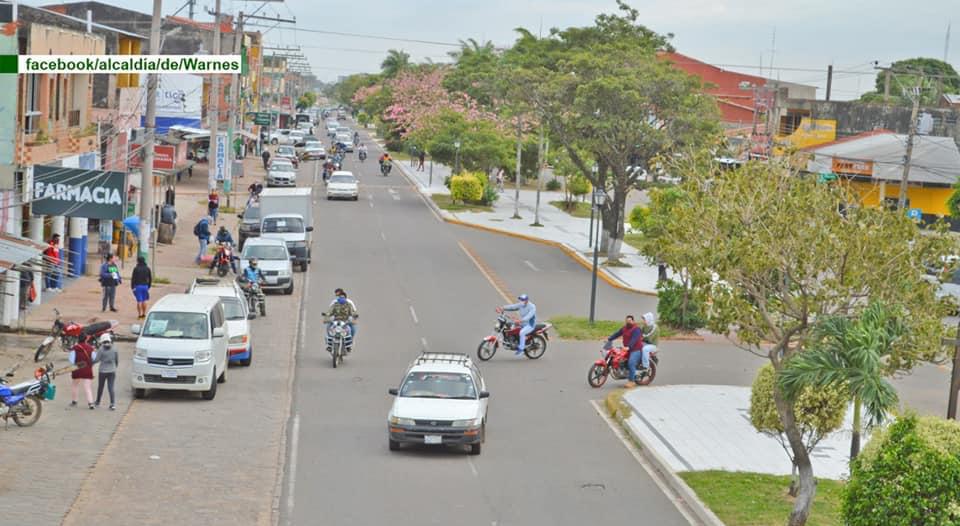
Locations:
(252, 273)
(528, 318)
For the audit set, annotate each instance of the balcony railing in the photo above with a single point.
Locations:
(73, 118)
(30, 122)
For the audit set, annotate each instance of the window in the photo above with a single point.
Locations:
(265, 252)
(233, 309)
(31, 116)
(283, 225)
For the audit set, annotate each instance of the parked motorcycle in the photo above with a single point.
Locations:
(339, 340)
(222, 259)
(256, 299)
(507, 332)
(69, 333)
(613, 362)
(23, 402)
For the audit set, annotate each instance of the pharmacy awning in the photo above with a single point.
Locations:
(17, 251)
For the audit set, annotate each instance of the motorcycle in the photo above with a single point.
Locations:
(339, 340)
(385, 168)
(23, 402)
(222, 259)
(362, 156)
(507, 332)
(69, 333)
(255, 296)
(613, 362)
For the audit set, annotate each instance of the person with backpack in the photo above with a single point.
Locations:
(109, 279)
(202, 231)
(213, 205)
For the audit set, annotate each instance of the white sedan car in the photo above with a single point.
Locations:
(240, 345)
(343, 185)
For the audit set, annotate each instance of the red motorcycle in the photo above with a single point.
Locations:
(222, 259)
(614, 363)
(507, 332)
(69, 333)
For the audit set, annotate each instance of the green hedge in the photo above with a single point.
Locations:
(908, 474)
(464, 188)
(679, 307)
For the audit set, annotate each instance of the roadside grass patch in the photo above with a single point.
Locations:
(616, 264)
(616, 407)
(580, 209)
(633, 240)
(579, 328)
(445, 202)
(757, 499)
(161, 281)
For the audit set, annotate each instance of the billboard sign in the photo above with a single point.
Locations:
(179, 100)
(221, 168)
(75, 192)
(852, 166)
(163, 156)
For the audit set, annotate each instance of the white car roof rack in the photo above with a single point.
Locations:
(439, 357)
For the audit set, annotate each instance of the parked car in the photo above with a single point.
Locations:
(288, 153)
(249, 224)
(442, 400)
(274, 261)
(281, 136)
(343, 185)
(240, 344)
(182, 345)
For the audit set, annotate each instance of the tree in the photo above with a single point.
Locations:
(772, 253)
(850, 355)
(307, 100)
(395, 62)
(475, 66)
(483, 147)
(345, 90)
(939, 78)
(602, 90)
(819, 413)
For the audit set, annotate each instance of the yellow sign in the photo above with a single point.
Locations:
(852, 167)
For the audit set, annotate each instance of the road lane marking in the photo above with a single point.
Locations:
(532, 266)
(473, 467)
(371, 204)
(488, 273)
(413, 314)
(383, 236)
(291, 482)
(393, 193)
(424, 342)
(618, 431)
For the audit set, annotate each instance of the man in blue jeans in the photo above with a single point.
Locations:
(528, 318)
(632, 340)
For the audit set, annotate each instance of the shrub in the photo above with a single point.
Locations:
(679, 306)
(578, 185)
(819, 410)
(490, 195)
(909, 473)
(553, 185)
(446, 181)
(465, 188)
(638, 216)
(481, 178)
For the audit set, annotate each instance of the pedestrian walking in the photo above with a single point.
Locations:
(54, 261)
(421, 158)
(82, 355)
(500, 180)
(266, 158)
(109, 279)
(140, 282)
(213, 204)
(107, 374)
(202, 231)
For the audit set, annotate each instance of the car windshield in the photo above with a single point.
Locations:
(270, 252)
(232, 308)
(457, 386)
(315, 144)
(283, 225)
(282, 167)
(251, 213)
(342, 179)
(178, 325)
(284, 150)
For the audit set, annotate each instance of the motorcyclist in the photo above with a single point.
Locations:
(633, 341)
(650, 337)
(528, 318)
(224, 238)
(252, 273)
(356, 138)
(342, 310)
(340, 293)
(362, 152)
(385, 161)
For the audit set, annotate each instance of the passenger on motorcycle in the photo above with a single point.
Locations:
(224, 237)
(340, 293)
(650, 338)
(632, 340)
(528, 318)
(343, 310)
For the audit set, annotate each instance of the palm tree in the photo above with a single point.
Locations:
(396, 61)
(850, 353)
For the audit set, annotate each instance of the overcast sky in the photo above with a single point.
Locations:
(810, 34)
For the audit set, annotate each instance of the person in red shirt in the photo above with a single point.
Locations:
(82, 355)
(52, 255)
(633, 340)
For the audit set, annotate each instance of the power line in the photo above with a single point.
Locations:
(375, 37)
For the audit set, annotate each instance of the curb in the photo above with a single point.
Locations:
(676, 484)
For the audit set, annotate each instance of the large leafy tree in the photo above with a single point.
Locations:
(474, 67)
(609, 101)
(772, 254)
(939, 77)
(395, 62)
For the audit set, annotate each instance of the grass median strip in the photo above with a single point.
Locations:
(578, 328)
(756, 499)
(579, 209)
(445, 202)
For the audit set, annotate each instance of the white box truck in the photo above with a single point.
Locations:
(287, 214)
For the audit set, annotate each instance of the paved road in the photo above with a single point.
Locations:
(549, 458)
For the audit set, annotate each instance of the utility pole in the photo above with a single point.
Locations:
(233, 105)
(902, 202)
(829, 81)
(954, 378)
(146, 168)
(886, 86)
(516, 197)
(213, 105)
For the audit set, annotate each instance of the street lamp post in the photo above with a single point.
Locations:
(598, 198)
(456, 164)
(593, 205)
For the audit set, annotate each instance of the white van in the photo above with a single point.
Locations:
(182, 345)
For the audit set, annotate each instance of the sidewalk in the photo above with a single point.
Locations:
(707, 427)
(559, 228)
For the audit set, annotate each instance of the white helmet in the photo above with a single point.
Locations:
(106, 338)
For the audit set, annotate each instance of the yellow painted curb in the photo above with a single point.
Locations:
(609, 280)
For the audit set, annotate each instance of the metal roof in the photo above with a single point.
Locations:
(17, 250)
(936, 160)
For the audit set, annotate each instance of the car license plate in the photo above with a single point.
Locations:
(168, 373)
(271, 280)
(432, 439)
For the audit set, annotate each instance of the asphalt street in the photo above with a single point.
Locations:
(549, 458)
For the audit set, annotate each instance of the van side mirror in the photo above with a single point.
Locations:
(136, 328)
(309, 229)
(394, 391)
(484, 394)
(219, 332)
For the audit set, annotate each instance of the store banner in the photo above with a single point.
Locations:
(75, 192)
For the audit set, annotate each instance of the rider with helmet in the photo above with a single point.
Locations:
(252, 273)
(223, 238)
(633, 342)
(528, 318)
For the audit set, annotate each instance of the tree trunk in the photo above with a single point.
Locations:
(807, 486)
(613, 224)
(857, 426)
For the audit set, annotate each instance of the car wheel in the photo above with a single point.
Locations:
(394, 445)
(211, 393)
(222, 379)
(289, 290)
(475, 448)
(329, 198)
(139, 393)
(303, 266)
